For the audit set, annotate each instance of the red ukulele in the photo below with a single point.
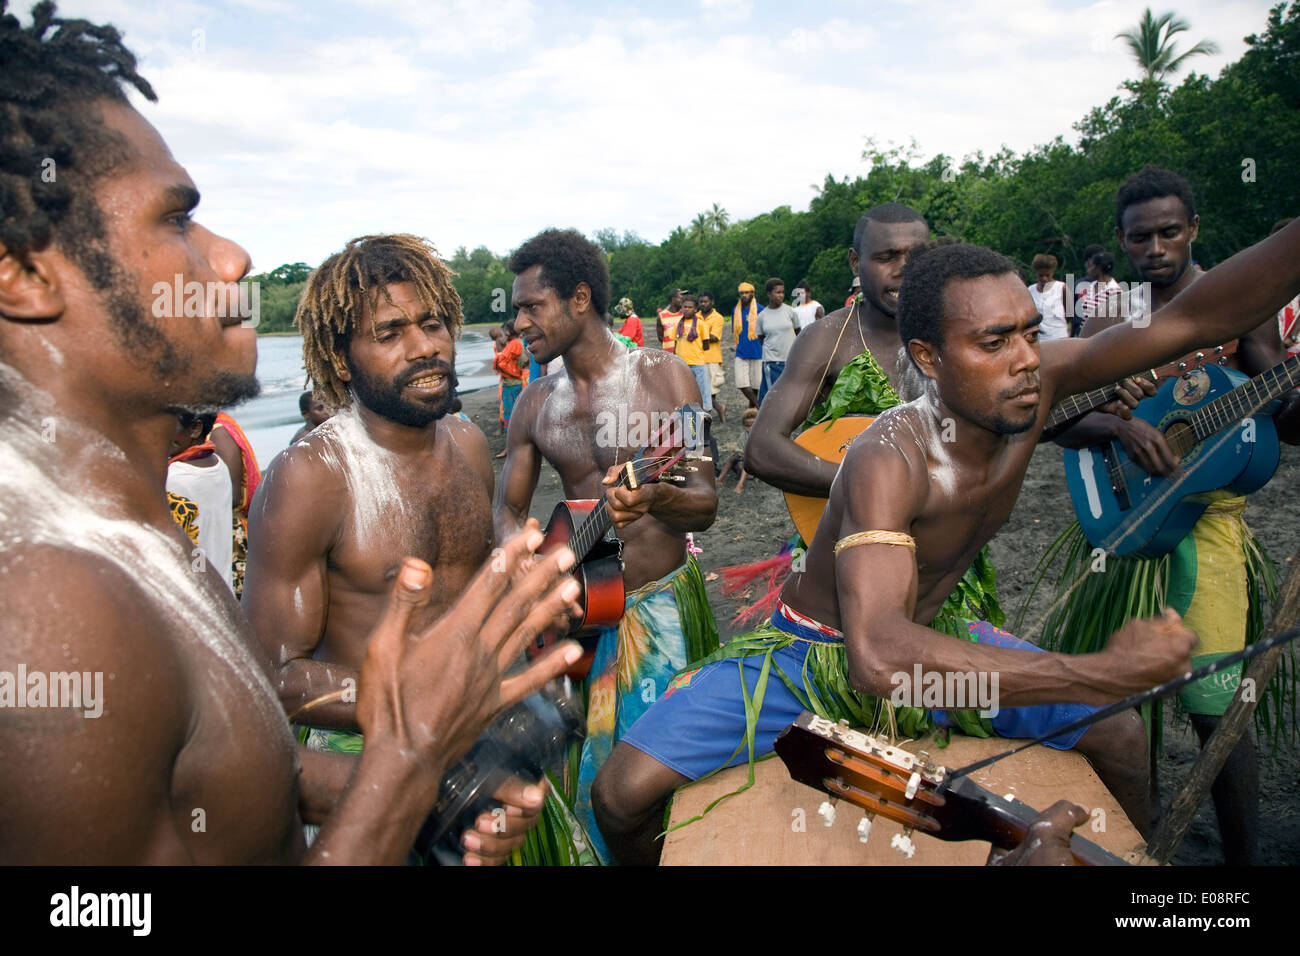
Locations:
(583, 524)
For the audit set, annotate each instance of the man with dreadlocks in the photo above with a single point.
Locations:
(908, 512)
(561, 291)
(391, 473)
(94, 570)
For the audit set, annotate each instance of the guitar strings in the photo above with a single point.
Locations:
(1144, 510)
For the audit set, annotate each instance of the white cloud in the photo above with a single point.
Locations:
(480, 123)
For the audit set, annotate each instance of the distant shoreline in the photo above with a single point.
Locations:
(472, 325)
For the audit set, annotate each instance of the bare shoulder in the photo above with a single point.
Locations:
(71, 605)
(533, 398)
(88, 768)
(307, 462)
(473, 445)
(303, 487)
(664, 375)
(888, 459)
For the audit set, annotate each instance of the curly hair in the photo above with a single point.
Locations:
(929, 268)
(54, 145)
(344, 284)
(1153, 182)
(567, 257)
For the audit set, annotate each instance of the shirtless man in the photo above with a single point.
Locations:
(94, 574)
(881, 242)
(907, 514)
(391, 473)
(314, 412)
(570, 420)
(1156, 224)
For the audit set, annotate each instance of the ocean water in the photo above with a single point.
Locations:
(271, 419)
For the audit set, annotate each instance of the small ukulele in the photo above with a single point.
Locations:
(584, 525)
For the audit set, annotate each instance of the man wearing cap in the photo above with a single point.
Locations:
(749, 350)
(668, 319)
(854, 291)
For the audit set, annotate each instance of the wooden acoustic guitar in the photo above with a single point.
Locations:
(831, 442)
(584, 525)
(909, 789)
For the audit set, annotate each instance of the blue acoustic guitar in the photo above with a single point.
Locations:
(1213, 419)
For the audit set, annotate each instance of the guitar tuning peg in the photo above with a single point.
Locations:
(827, 812)
(864, 828)
(913, 784)
(902, 842)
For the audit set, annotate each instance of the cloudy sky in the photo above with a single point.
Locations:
(480, 122)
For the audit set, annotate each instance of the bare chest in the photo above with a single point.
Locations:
(435, 508)
(582, 440)
(963, 511)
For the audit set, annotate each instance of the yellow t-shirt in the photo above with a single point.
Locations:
(711, 326)
(692, 353)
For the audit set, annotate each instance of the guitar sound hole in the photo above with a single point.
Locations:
(1181, 438)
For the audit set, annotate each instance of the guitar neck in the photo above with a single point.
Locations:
(1084, 402)
(591, 530)
(1246, 399)
(1006, 823)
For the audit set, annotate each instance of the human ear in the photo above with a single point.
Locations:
(925, 355)
(30, 287)
(581, 298)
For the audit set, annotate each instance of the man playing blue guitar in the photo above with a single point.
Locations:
(1211, 575)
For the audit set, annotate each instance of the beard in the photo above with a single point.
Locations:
(150, 348)
(385, 398)
(1164, 282)
(1005, 426)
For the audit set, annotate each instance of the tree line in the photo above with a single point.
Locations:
(1236, 138)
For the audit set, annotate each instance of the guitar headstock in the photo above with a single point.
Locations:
(681, 436)
(867, 772)
(908, 788)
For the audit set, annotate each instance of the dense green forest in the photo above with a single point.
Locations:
(1236, 138)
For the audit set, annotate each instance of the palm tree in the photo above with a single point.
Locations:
(699, 226)
(718, 218)
(1152, 44)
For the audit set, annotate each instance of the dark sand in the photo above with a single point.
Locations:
(755, 524)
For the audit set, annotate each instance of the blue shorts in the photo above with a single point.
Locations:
(698, 725)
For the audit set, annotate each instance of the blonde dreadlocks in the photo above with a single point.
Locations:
(332, 301)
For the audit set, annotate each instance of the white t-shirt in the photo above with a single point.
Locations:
(777, 328)
(1051, 306)
(208, 486)
(808, 313)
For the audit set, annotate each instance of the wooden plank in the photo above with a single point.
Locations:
(775, 822)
